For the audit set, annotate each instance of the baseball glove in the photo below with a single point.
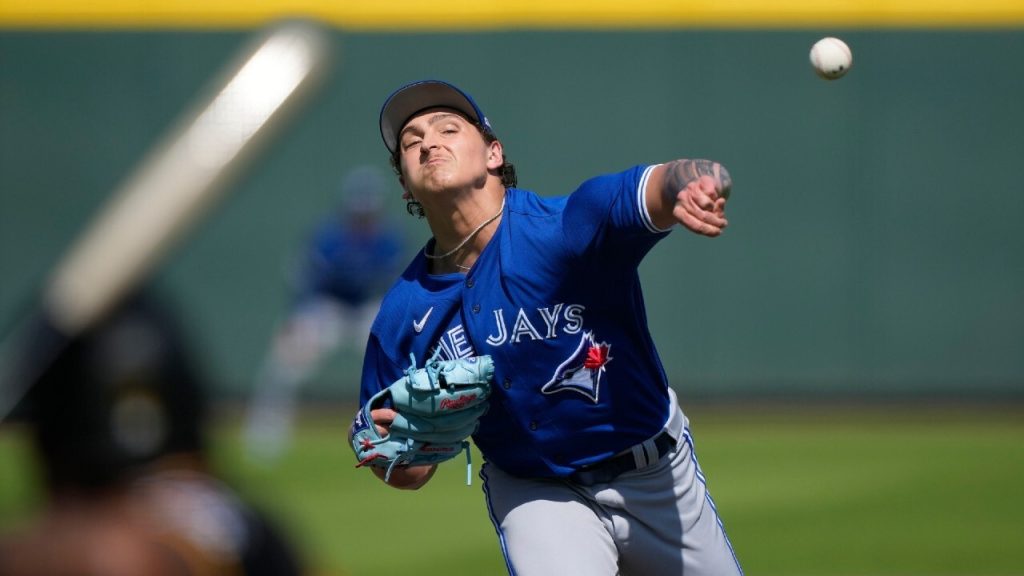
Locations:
(438, 408)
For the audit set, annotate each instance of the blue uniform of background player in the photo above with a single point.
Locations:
(335, 288)
(589, 463)
(351, 257)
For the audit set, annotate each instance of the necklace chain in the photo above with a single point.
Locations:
(466, 239)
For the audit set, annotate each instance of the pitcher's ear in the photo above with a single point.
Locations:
(495, 155)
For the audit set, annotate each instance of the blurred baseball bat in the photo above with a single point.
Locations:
(177, 182)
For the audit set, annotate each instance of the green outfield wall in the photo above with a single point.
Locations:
(876, 241)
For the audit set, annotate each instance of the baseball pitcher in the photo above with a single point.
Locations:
(521, 324)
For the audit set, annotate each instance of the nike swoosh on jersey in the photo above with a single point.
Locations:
(418, 326)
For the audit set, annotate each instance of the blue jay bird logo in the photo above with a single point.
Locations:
(582, 371)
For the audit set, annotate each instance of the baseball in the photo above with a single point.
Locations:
(831, 58)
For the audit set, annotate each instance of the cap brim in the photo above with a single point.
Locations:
(405, 102)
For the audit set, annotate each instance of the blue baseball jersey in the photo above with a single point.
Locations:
(555, 299)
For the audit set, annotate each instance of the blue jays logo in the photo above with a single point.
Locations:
(582, 371)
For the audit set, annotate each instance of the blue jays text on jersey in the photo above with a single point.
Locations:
(555, 299)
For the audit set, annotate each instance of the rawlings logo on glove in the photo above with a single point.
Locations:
(459, 404)
(438, 407)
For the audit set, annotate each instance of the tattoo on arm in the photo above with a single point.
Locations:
(682, 172)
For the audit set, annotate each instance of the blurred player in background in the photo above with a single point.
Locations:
(348, 263)
(117, 424)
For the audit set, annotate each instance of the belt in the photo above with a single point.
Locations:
(639, 456)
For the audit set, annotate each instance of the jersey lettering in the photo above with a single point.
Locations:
(551, 316)
(499, 339)
(454, 344)
(460, 345)
(522, 327)
(574, 315)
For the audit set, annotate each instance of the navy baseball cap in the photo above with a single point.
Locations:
(410, 99)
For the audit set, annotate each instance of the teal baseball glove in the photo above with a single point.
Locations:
(438, 407)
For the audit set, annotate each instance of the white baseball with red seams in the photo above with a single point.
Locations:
(831, 58)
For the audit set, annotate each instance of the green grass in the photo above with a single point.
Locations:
(886, 491)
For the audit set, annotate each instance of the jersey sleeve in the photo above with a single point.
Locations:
(608, 215)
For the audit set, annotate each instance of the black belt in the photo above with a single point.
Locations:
(609, 469)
